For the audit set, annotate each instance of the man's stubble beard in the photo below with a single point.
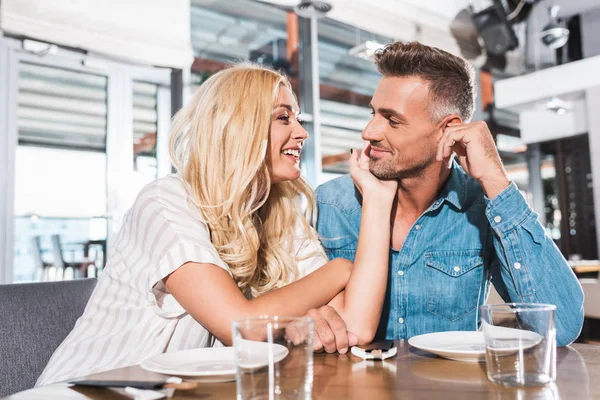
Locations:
(389, 171)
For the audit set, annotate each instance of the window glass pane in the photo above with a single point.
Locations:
(348, 79)
(355, 73)
(60, 170)
(237, 30)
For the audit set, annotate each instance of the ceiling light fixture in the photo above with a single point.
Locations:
(312, 8)
(366, 50)
(554, 35)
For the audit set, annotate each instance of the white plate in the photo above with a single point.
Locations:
(455, 345)
(469, 346)
(215, 362)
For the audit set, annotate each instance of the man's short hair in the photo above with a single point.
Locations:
(450, 77)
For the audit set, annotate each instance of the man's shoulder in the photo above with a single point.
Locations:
(339, 192)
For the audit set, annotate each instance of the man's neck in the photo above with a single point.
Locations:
(415, 195)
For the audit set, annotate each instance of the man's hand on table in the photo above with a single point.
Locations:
(331, 333)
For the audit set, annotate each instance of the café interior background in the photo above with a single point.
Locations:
(87, 90)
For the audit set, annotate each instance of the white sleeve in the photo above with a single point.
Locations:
(308, 251)
(170, 236)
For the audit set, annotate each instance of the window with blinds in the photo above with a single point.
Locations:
(347, 84)
(144, 128)
(61, 108)
(341, 128)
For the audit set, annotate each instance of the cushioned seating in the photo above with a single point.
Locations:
(36, 318)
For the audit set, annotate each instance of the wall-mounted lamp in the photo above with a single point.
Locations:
(554, 35)
(558, 106)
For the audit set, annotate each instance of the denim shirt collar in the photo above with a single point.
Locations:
(455, 188)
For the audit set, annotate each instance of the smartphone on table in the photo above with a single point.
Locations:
(378, 350)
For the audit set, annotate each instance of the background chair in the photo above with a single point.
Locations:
(80, 267)
(40, 264)
(36, 318)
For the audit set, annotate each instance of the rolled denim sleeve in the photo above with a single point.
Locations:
(529, 267)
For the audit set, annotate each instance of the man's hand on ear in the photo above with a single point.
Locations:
(474, 145)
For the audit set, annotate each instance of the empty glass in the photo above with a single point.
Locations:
(520, 341)
(274, 357)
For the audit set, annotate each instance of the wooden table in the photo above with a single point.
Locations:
(585, 266)
(412, 374)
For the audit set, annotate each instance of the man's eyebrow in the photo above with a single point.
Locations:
(390, 112)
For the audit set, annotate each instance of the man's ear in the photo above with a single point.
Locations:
(452, 119)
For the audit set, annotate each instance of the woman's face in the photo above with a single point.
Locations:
(287, 137)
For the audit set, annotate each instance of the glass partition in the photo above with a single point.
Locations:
(60, 168)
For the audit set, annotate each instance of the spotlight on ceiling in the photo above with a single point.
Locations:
(366, 49)
(495, 29)
(554, 35)
(312, 8)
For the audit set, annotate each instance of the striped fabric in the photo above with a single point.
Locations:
(131, 315)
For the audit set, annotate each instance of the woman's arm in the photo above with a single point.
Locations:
(211, 297)
(361, 303)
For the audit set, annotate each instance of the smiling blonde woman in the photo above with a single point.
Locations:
(224, 238)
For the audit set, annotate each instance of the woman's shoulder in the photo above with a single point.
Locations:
(167, 195)
(171, 185)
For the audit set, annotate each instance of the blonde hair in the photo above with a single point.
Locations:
(219, 144)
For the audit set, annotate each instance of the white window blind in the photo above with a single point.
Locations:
(61, 108)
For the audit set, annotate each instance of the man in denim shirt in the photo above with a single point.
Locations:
(457, 224)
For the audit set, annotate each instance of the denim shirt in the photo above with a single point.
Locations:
(463, 242)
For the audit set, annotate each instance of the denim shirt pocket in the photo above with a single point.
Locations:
(339, 247)
(453, 282)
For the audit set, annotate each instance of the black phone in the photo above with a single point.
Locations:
(377, 345)
(147, 385)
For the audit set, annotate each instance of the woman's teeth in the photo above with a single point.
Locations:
(292, 152)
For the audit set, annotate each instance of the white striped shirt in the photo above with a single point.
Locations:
(131, 315)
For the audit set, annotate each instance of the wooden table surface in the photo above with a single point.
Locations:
(412, 374)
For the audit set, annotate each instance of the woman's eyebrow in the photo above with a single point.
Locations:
(287, 107)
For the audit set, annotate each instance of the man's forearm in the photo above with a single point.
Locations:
(533, 269)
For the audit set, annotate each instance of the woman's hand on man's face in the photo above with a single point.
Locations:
(365, 181)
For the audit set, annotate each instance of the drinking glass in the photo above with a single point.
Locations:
(520, 341)
(274, 357)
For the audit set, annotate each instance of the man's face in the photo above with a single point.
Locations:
(403, 139)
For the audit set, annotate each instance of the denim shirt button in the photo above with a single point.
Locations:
(457, 268)
(517, 265)
(400, 320)
(401, 273)
(497, 218)
(417, 227)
